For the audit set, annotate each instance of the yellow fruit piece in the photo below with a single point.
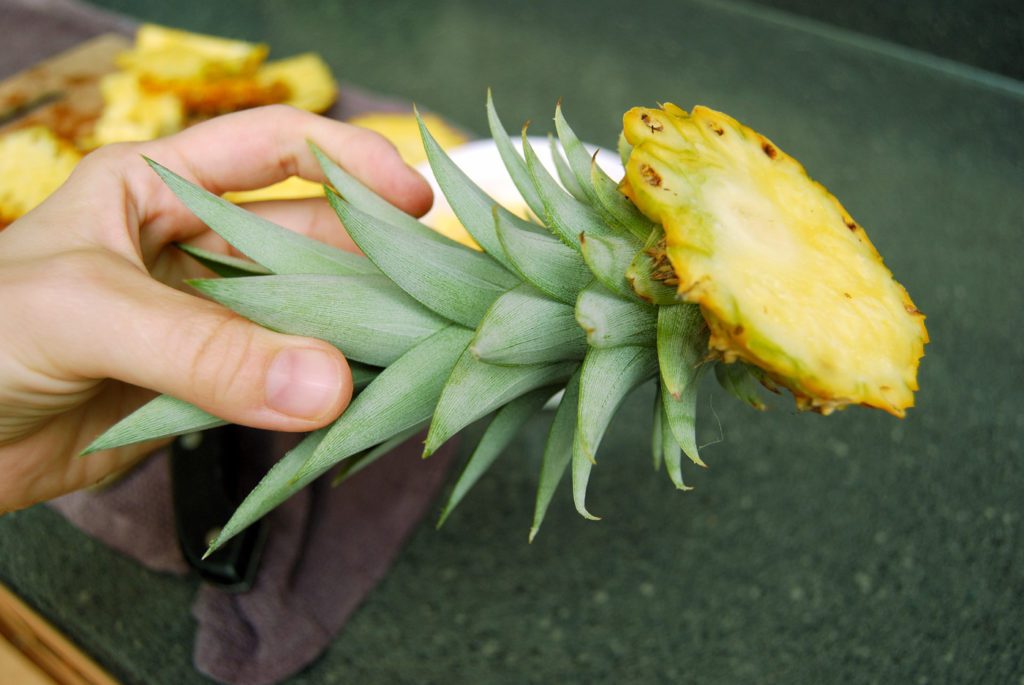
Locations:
(786, 279)
(447, 224)
(133, 113)
(292, 188)
(165, 54)
(402, 130)
(212, 75)
(33, 163)
(306, 80)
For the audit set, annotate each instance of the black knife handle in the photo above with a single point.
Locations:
(204, 475)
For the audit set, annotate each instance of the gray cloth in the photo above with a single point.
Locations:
(325, 548)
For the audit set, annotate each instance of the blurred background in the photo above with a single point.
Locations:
(987, 34)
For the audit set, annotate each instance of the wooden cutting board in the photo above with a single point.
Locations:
(33, 652)
(61, 92)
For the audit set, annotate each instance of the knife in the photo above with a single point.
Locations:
(204, 484)
(16, 108)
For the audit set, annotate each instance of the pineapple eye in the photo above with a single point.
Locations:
(651, 176)
(655, 126)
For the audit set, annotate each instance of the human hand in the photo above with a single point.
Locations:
(92, 320)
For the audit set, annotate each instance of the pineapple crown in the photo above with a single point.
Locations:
(582, 307)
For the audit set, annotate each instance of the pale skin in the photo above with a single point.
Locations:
(95, 318)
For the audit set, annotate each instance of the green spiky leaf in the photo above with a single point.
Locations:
(275, 247)
(609, 258)
(558, 450)
(611, 321)
(225, 266)
(402, 396)
(475, 389)
(566, 177)
(368, 202)
(513, 161)
(593, 181)
(452, 280)
(474, 208)
(668, 448)
(682, 345)
(619, 207)
(274, 488)
(359, 461)
(367, 317)
(161, 417)
(499, 433)
(738, 381)
(543, 260)
(526, 327)
(607, 376)
(564, 214)
(578, 159)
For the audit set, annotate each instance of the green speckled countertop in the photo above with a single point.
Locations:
(855, 548)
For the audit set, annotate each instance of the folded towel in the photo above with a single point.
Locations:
(325, 549)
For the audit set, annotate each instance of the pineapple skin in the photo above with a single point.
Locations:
(784, 276)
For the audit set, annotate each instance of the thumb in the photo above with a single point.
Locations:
(153, 336)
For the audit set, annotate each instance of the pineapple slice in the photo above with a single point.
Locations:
(166, 81)
(306, 80)
(163, 54)
(213, 75)
(786, 279)
(33, 163)
(132, 113)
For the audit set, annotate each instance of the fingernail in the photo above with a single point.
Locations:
(303, 383)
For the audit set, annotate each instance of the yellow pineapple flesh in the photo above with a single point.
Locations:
(402, 129)
(785, 277)
(165, 54)
(33, 163)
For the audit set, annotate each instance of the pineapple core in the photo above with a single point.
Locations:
(786, 279)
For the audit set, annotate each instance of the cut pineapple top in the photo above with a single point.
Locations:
(786, 279)
(783, 280)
